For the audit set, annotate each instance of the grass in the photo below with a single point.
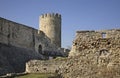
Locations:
(37, 76)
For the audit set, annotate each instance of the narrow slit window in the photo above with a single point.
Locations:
(40, 49)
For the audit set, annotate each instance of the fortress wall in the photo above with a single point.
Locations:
(13, 59)
(4, 31)
(91, 55)
(105, 39)
(22, 36)
(83, 35)
(115, 33)
(15, 34)
(47, 66)
(82, 39)
(42, 40)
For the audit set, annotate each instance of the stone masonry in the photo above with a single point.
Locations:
(101, 40)
(91, 50)
(44, 66)
(26, 43)
(94, 54)
(47, 38)
(19, 35)
(50, 24)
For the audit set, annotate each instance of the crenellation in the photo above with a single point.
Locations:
(51, 15)
(58, 15)
(42, 16)
(48, 15)
(45, 15)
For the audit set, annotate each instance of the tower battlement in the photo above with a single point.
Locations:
(50, 15)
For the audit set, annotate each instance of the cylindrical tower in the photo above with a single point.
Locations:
(50, 24)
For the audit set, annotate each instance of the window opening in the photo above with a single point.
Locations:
(40, 49)
(103, 35)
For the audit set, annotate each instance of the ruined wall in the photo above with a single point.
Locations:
(44, 66)
(94, 54)
(105, 39)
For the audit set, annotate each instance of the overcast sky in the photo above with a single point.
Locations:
(76, 14)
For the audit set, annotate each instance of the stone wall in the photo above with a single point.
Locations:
(94, 54)
(92, 63)
(16, 34)
(22, 36)
(20, 43)
(45, 66)
(13, 59)
(105, 39)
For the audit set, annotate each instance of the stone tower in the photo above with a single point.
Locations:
(50, 24)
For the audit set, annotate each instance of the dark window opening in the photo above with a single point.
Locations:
(40, 49)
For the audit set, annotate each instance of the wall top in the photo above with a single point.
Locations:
(84, 31)
(100, 31)
(19, 24)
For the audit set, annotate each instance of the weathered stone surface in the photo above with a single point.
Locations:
(89, 65)
(16, 34)
(13, 59)
(93, 56)
(22, 36)
(20, 43)
(44, 66)
(95, 40)
(50, 24)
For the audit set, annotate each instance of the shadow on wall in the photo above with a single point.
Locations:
(13, 59)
